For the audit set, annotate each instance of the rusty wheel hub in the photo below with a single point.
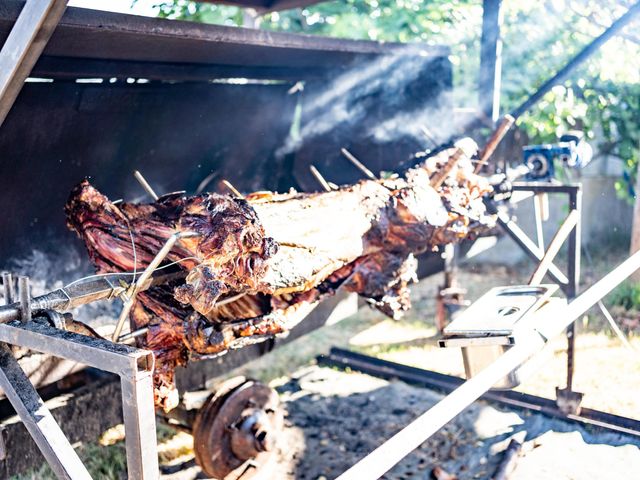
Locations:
(235, 431)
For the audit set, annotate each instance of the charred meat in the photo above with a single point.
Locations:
(259, 264)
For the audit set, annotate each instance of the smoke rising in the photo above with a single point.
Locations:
(349, 98)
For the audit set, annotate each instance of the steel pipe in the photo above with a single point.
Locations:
(24, 292)
(7, 285)
(576, 61)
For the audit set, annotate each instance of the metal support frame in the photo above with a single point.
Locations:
(570, 231)
(134, 367)
(24, 45)
(546, 327)
(29, 35)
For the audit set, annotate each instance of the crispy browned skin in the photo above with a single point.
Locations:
(284, 253)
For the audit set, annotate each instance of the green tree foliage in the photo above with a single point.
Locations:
(602, 97)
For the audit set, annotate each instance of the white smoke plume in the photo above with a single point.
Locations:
(339, 103)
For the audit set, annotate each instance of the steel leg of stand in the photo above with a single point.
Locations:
(42, 427)
(575, 203)
(567, 399)
(140, 426)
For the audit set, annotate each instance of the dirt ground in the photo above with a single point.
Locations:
(334, 418)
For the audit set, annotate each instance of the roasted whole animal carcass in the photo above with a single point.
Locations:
(259, 264)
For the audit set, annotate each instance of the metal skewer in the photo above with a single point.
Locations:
(320, 178)
(143, 182)
(358, 164)
(143, 330)
(427, 133)
(134, 334)
(231, 188)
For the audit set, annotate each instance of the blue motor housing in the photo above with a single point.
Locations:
(572, 151)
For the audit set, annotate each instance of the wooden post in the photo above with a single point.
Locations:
(635, 227)
(490, 60)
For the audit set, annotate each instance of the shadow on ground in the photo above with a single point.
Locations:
(335, 418)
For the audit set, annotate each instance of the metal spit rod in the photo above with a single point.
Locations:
(383, 458)
(84, 291)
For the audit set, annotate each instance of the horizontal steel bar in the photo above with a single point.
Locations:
(376, 367)
(123, 360)
(545, 187)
